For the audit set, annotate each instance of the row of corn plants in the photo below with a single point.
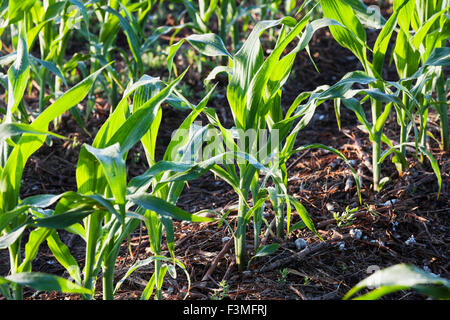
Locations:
(251, 156)
(419, 53)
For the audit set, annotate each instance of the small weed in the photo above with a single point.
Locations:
(283, 274)
(345, 218)
(220, 294)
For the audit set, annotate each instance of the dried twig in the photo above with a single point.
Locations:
(216, 260)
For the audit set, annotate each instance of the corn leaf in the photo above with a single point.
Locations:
(401, 277)
(44, 282)
(165, 208)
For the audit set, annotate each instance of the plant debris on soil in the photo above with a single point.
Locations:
(405, 223)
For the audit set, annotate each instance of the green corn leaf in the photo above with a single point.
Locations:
(370, 17)
(165, 208)
(69, 99)
(304, 215)
(63, 220)
(8, 130)
(378, 127)
(18, 75)
(356, 107)
(62, 253)
(142, 182)
(246, 63)
(44, 282)
(140, 121)
(137, 265)
(264, 251)
(148, 290)
(50, 67)
(406, 14)
(382, 42)
(405, 56)
(435, 166)
(113, 164)
(353, 35)
(439, 57)
(7, 217)
(131, 33)
(420, 35)
(118, 117)
(208, 44)
(8, 239)
(142, 95)
(401, 277)
(36, 237)
(17, 10)
(180, 139)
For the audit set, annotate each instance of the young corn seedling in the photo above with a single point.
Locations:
(131, 18)
(350, 34)
(48, 25)
(254, 96)
(18, 142)
(107, 209)
(423, 27)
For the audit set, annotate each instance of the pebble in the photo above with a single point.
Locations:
(389, 202)
(335, 163)
(355, 234)
(301, 243)
(225, 239)
(394, 225)
(348, 183)
(330, 206)
(410, 240)
(381, 243)
(341, 245)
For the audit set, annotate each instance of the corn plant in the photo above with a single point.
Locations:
(107, 209)
(19, 142)
(254, 96)
(227, 14)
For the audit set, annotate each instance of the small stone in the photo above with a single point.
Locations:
(225, 239)
(348, 183)
(335, 163)
(246, 274)
(394, 225)
(389, 202)
(410, 241)
(301, 243)
(330, 206)
(381, 243)
(341, 245)
(355, 234)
